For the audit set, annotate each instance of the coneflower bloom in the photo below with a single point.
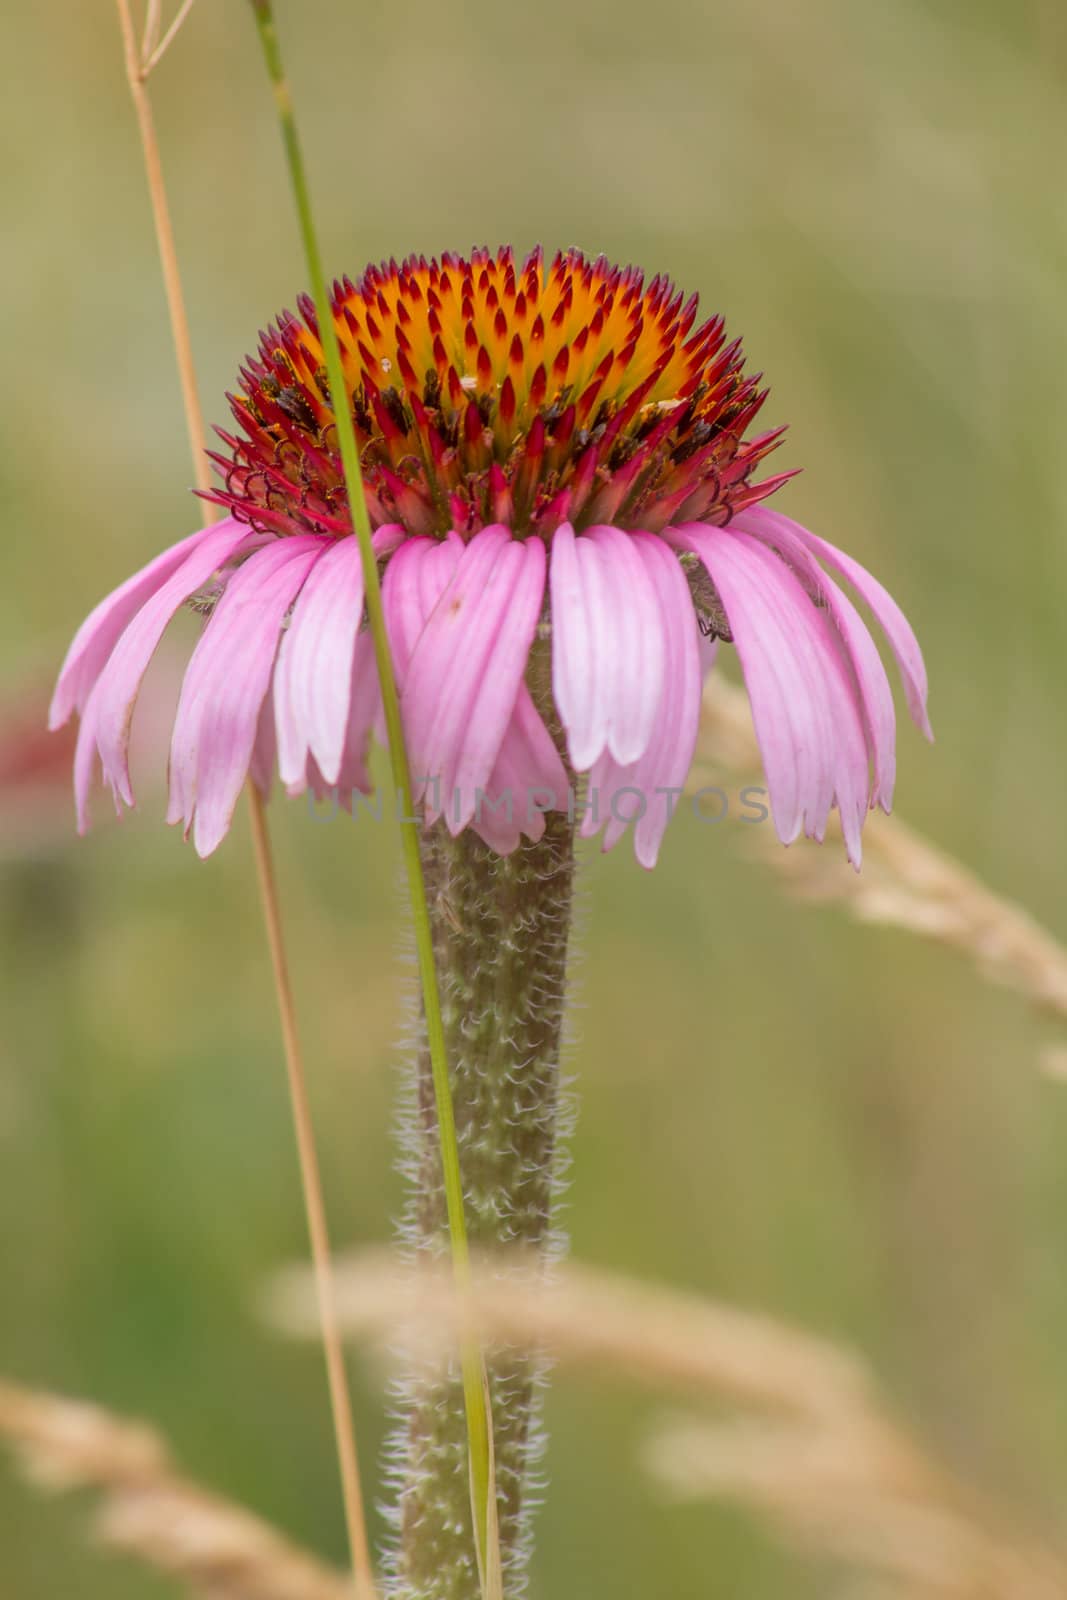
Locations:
(560, 469)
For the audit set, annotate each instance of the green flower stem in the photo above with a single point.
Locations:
(477, 1418)
(501, 927)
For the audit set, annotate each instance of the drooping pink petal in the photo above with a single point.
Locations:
(647, 791)
(85, 753)
(527, 760)
(313, 677)
(102, 628)
(574, 658)
(790, 735)
(527, 779)
(225, 685)
(875, 694)
(353, 772)
(414, 580)
(362, 710)
(264, 748)
(897, 628)
(120, 678)
(665, 766)
(326, 701)
(805, 713)
(607, 653)
(633, 651)
(466, 668)
(401, 603)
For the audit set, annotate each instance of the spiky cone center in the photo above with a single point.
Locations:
(484, 390)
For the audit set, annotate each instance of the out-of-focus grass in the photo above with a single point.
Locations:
(836, 1126)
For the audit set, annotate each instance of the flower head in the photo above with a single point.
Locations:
(557, 465)
(487, 392)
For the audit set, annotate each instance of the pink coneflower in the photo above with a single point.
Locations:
(557, 469)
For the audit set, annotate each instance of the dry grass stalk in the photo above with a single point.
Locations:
(814, 1449)
(141, 59)
(906, 882)
(218, 1550)
(850, 1496)
(595, 1318)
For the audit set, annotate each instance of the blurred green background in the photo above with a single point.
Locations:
(841, 1128)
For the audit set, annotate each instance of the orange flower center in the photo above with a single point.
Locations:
(483, 392)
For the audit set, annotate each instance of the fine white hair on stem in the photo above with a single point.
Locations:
(906, 881)
(148, 1509)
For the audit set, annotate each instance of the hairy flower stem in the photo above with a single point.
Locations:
(501, 926)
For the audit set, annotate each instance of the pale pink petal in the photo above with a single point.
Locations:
(120, 679)
(363, 705)
(607, 645)
(102, 628)
(897, 628)
(415, 580)
(313, 678)
(438, 570)
(362, 710)
(85, 761)
(786, 687)
(575, 664)
(313, 779)
(413, 583)
(225, 686)
(528, 777)
(648, 790)
(847, 773)
(265, 748)
(467, 666)
(625, 613)
(875, 694)
(665, 766)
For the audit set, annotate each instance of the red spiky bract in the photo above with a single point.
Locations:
(483, 390)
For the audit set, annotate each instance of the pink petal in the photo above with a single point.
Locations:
(363, 705)
(574, 659)
(84, 761)
(875, 694)
(414, 581)
(413, 584)
(364, 702)
(528, 770)
(120, 679)
(265, 748)
(313, 679)
(632, 645)
(659, 773)
(608, 652)
(226, 683)
(897, 628)
(325, 680)
(102, 628)
(805, 713)
(467, 666)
